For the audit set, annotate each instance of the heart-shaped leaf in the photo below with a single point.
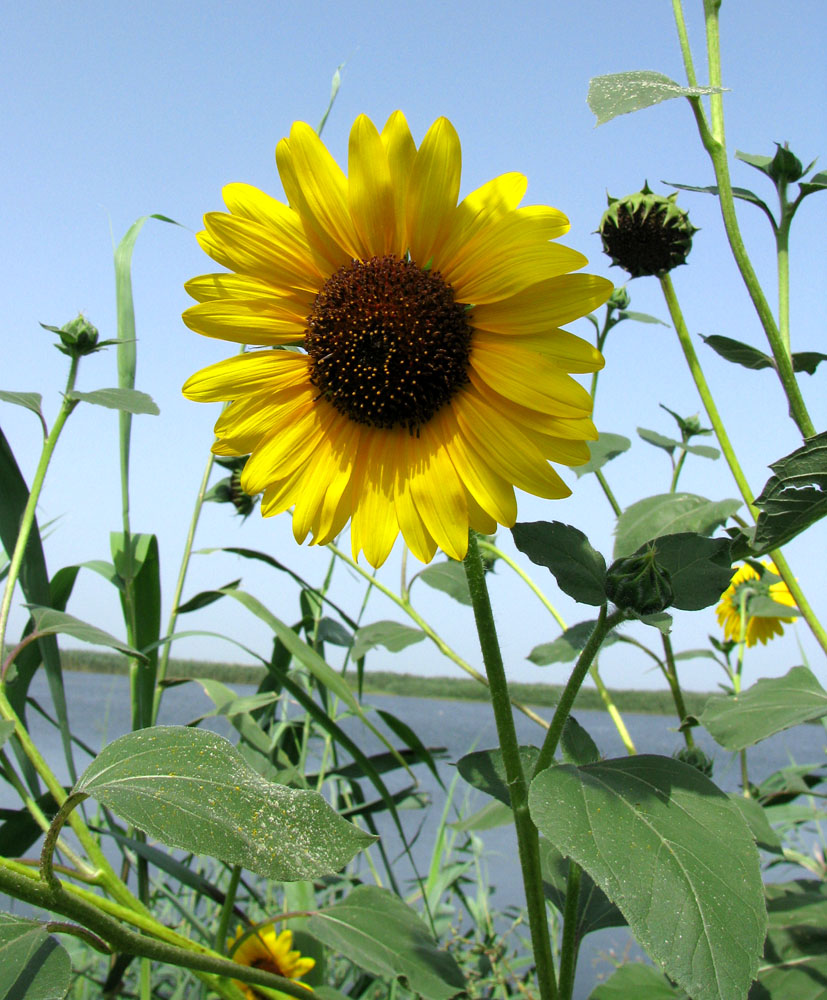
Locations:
(34, 966)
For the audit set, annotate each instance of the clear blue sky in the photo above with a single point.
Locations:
(115, 110)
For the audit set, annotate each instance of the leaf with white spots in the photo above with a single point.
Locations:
(192, 789)
(673, 853)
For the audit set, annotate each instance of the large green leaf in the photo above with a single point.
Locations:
(699, 568)
(449, 577)
(668, 514)
(485, 769)
(795, 956)
(568, 646)
(127, 400)
(619, 93)
(638, 981)
(392, 635)
(34, 966)
(378, 932)
(771, 705)
(191, 789)
(579, 569)
(603, 450)
(674, 854)
(794, 497)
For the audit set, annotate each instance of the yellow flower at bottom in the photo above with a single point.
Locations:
(758, 629)
(266, 949)
(413, 369)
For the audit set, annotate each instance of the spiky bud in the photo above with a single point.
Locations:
(229, 490)
(78, 337)
(646, 233)
(696, 758)
(637, 583)
(619, 299)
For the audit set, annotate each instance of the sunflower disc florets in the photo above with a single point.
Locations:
(646, 233)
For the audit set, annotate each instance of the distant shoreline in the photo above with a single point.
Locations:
(385, 682)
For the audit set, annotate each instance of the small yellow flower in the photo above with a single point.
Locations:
(426, 374)
(266, 949)
(758, 629)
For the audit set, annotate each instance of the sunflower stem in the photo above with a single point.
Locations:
(528, 839)
(671, 673)
(570, 946)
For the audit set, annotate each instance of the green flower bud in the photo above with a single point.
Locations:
(77, 338)
(785, 167)
(229, 490)
(645, 233)
(696, 758)
(619, 299)
(637, 583)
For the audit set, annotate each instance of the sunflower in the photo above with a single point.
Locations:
(747, 582)
(265, 949)
(414, 370)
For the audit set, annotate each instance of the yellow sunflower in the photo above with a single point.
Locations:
(266, 949)
(413, 370)
(729, 610)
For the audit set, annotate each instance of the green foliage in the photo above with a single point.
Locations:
(620, 93)
(794, 497)
(750, 357)
(668, 514)
(449, 577)
(639, 981)
(386, 937)
(672, 852)
(191, 789)
(771, 705)
(603, 450)
(579, 569)
(33, 963)
(392, 635)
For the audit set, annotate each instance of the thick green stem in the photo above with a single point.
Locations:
(671, 674)
(528, 840)
(570, 945)
(605, 623)
(782, 249)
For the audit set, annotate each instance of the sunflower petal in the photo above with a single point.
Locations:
(432, 191)
(255, 371)
(370, 191)
(544, 305)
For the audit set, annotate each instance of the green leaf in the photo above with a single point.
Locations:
(818, 182)
(795, 956)
(668, 514)
(756, 160)
(329, 630)
(603, 450)
(127, 400)
(206, 597)
(743, 193)
(485, 769)
(492, 815)
(576, 746)
(640, 317)
(579, 569)
(673, 853)
(382, 935)
(699, 568)
(35, 966)
(30, 400)
(51, 622)
(619, 93)
(449, 577)
(769, 706)
(756, 819)
(634, 979)
(794, 497)
(191, 789)
(568, 646)
(658, 440)
(738, 352)
(807, 361)
(392, 635)
(594, 910)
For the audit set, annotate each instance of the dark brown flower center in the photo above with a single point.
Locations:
(388, 342)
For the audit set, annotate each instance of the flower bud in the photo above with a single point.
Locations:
(637, 583)
(229, 490)
(77, 337)
(646, 233)
(785, 167)
(696, 758)
(620, 298)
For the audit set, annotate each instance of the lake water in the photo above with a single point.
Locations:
(99, 712)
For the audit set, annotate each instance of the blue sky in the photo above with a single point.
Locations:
(115, 110)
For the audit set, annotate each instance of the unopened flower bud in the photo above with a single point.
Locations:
(229, 490)
(619, 299)
(637, 583)
(696, 758)
(785, 167)
(77, 337)
(646, 233)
